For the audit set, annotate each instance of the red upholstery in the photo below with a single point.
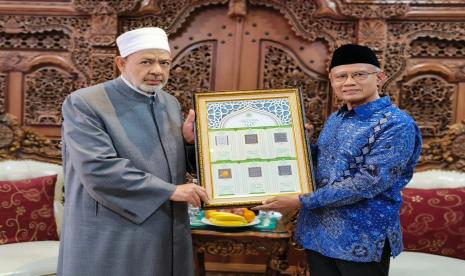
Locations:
(27, 210)
(433, 221)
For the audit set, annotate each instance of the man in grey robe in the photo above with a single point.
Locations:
(124, 163)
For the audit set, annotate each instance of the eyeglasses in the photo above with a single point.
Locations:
(357, 76)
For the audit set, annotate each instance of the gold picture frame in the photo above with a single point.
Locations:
(251, 145)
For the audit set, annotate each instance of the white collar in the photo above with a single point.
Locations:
(136, 89)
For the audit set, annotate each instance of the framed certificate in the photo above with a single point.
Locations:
(251, 145)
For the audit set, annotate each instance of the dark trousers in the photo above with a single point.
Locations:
(320, 265)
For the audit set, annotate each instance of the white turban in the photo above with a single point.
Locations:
(142, 39)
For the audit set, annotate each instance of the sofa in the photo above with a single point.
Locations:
(433, 212)
(433, 224)
(40, 257)
(35, 254)
(24, 156)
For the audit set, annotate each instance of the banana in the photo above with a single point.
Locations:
(217, 213)
(227, 222)
(224, 216)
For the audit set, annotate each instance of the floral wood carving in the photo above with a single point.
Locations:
(401, 35)
(440, 48)
(171, 16)
(92, 6)
(281, 70)
(395, 62)
(103, 67)
(16, 61)
(75, 28)
(454, 147)
(447, 151)
(192, 72)
(275, 248)
(459, 71)
(49, 40)
(429, 99)
(300, 16)
(237, 8)
(3, 80)
(414, 2)
(104, 25)
(45, 91)
(372, 33)
(226, 247)
(105, 33)
(17, 142)
(7, 137)
(453, 70)
(373, 11)
(410, 31)
(431, 155)
(40, 25)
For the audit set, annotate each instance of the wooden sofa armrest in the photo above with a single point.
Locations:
(446, 152)
(18, 142)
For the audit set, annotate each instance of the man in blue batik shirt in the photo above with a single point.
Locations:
(365, 155)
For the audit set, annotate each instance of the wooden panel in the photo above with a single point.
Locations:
(460, 109)
(14, 97)
(230, 45)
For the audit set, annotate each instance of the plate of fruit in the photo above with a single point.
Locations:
(238, 217)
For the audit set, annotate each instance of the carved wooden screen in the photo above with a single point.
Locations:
(234, 48)
(50, 48)
(426, 66)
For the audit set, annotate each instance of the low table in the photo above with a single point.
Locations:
(274, 244)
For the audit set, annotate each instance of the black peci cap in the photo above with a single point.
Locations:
(353, 53)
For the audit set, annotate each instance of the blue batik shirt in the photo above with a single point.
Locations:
(364, 157)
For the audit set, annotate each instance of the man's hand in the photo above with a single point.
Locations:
(310, 129)
(188, 127)
(190, 193)
(280, 203)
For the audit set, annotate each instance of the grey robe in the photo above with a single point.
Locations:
(118, 180)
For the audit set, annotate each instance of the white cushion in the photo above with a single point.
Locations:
(21, 169)
(29, 258)
(423, 264)
(437, 179)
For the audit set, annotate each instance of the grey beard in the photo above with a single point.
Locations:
(151, 88)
